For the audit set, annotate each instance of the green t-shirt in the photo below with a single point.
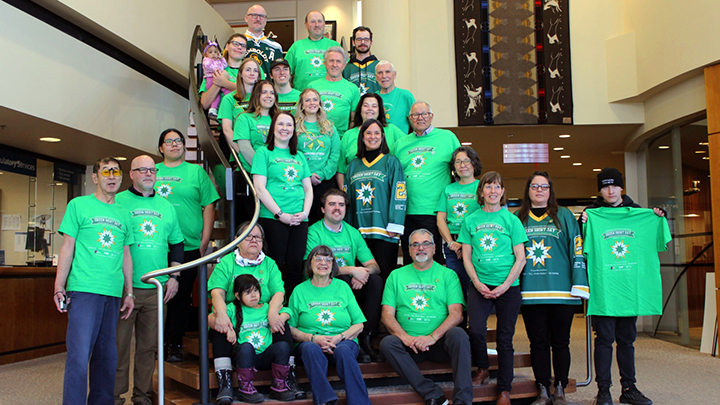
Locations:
(349, 147)
(232, 73)
(397, 106)
(492, 236)
(101, 232)
(425, 160)
(284, 173)
(621, 247)
(458, 201)
(254, 129)
(339, 99)
(255, 328)
(267, 274)
(347, 245)
(156, 226)
(421, 298)
(288, 101)
(321, 150)
(189, 189)
(230, 108)
(328, 310)
(307, 60)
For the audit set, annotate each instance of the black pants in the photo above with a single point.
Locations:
(286, 245)
(315, 212)
(178, 308)
(429, 222)
(369, 298)
(623, 331)
(222, 348)
(385, 254)
(548, 326)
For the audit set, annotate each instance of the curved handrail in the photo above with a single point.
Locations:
(215, 157)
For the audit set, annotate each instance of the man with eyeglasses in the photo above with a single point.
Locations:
(397, 101)
(236, 48)
(360, 71)
(306, 55)
(156, 230)
(421, 307)
(95, 263)
(190, 190)
(260, 47)
(425, 156)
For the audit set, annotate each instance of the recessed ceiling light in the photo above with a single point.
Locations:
(564, 156)
(706, 157)
(577, 164)
(691, 215)
(559, 148)
(564, 136)
(121, 158)
(466, 143)
(597, 170)
(50, 139)
(593, 196)
(664, 147)
(700, 151)
(58, 184)
(703, 144)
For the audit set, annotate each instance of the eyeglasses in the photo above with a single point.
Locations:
(254, 15)
(144, 170)
(178, 141)
(465, 162)
(536, 187)
(108, 172)
(320, 259)
(363, 40)
(415, 116)
(254, 238)
(238, 44)
(416, 245)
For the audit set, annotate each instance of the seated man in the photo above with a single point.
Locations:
(348, 245)
(421, 308)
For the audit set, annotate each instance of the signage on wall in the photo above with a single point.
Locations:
(525, 153)
(65, 173)
(18, 162)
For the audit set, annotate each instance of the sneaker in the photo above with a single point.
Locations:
(632, 395)
(212, 113)
(603, 397)
(441, 400)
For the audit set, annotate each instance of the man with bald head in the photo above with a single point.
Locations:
(156, 230)
(306, 55)
(259, 45)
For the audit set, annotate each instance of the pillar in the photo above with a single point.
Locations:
(712, 99)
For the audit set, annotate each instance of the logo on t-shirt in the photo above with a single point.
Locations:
(148, 228)
(313, 141)
(256, 340)
(619, 249)
(460, 209)
(325, 317)
(487, 242)
(316, 62)
(341, 261)
(419, 302)
(291, 173)
(107, 239)
(328, 105)
(417, 161)
(538, 252)
(365, 193)
(164, 190)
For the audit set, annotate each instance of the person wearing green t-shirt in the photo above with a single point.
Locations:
(235, 50)
(252, 126)
(280, 76)
(422, 307)
(235, 103)
(320, 143)
(494, 255)
(397, 101)
(425, 157)
(189, 189)
(282, 180)
(94, 267)
(456, 203)
(306, 55)
(339, 97)
(326, 320)
(157, 232)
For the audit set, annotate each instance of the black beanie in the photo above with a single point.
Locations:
(610, 176)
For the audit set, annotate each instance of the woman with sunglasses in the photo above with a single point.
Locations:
(326, 321)
(553, 284)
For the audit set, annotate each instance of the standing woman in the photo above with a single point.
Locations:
(251, 128)
(456, 203)
(494, 255)
(320, 143)
(233, 104)
(376, 183)
(282, 180)
(552, 285)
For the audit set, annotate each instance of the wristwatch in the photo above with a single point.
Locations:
(277, 216)
(342, 335)
(174, 277)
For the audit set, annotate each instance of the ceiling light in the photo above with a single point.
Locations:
(50, 139)
(706, 157)
(703, 143)
(564, 136)
(577, 164)
(700, 151)
(663, 147)
(559, 148)
(564, 156)
(466, 143)
(691, 215)
(121, 158)
(597, 170)
(593, 196)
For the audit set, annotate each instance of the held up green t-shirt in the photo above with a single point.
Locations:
(397, 106)
(421, 298)
(251, 128)
(230, 108)
(458, 201)
(284, 173)
(156, 226)
(347, 245)
(307, 60)
(320, 149)
(349, 147)
(189, 189)
(101, 232)
(425, 160)
(492, 236)
(339, 99)
(328, 310)
(267, 274)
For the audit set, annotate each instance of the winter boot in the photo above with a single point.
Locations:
(279, 389)
(292, 381)
(224, 380)
(246, 389)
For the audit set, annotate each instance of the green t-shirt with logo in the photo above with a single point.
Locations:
(425, 160)
(328, 310)
(288, 101)
(339, 99)
(156, 226)
(284, 173)
(349, 146)
(458, 201)
(101, 232)
(321, 150)
(397, 104)
(251, 128)
(230, 108)
(421, 298)
(621, 247)
(492, 236)
(189, 189)
(255, 328)
(267, 274)
(307, 61)
(347, 245)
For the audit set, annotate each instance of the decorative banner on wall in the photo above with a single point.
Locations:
(512, 59)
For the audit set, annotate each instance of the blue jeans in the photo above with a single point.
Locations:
(345, 358)
(452, 262)
(92, 324)
(277, 352)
